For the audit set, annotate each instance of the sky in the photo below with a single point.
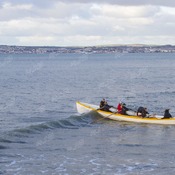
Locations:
(86, 22)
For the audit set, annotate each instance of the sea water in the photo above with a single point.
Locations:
(41, 132)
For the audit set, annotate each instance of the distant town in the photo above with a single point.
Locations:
(5, 49)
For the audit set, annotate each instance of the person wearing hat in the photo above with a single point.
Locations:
(167, 114)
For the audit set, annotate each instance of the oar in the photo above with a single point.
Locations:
(103, 118)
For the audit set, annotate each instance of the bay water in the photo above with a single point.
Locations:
(42, 133)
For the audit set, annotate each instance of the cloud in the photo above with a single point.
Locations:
(169, 3)
(53, 22)
(10, 11)
(38, 3)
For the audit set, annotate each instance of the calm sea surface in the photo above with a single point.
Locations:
(41, 132)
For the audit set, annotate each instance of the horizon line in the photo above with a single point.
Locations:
(105, 45)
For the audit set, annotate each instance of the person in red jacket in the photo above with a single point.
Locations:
(122, 109)
(119, 107)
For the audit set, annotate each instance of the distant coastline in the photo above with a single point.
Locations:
(6, 49)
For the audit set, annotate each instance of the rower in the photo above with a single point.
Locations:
(119, 107)
(167, 114)
(122, 109)
(102, 103)
(142, 112)
(105, 107)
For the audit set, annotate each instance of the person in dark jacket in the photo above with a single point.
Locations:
(102, 103)
(142, 112)
(167, 114)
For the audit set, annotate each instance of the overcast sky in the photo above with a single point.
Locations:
(86, 22)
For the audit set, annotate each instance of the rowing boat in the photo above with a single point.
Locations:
(85, 108)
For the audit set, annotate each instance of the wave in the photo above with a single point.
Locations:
(168, 92)
(73, 122)
(2, 147)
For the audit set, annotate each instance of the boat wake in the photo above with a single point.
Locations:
(72, 122)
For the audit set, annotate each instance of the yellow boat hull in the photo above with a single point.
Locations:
(85, 108)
